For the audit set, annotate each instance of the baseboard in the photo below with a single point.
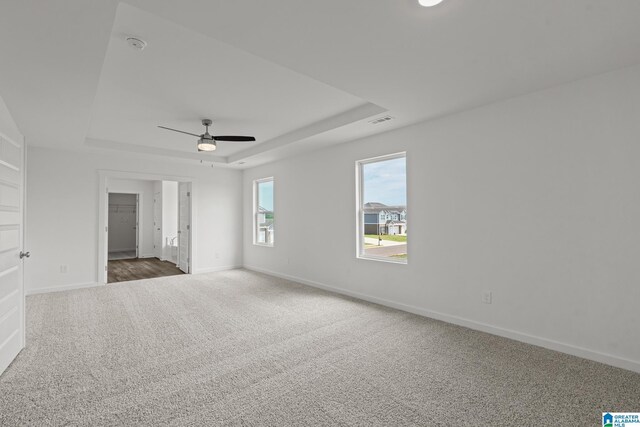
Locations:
(62, 288)
(147, 256)
(584, 353)
(215, 269)
(122, 250)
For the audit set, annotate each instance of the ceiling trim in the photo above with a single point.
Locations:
(361, 112)
(353, 115)
(143, 149)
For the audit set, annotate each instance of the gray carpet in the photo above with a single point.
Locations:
(240, 348)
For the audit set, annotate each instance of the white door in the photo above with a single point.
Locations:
(157, 225)
(184, 225)
(11, 268)
(137, 226)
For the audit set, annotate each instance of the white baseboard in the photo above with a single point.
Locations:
(214, 269)
(62, 288)
(147, 256)
(584, 353)
(122, 250)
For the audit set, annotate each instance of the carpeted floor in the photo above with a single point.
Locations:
(240, 348)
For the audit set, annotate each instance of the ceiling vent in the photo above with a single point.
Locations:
(381, 120)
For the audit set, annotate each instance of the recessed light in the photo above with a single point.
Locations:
(429, 3)
(136, 43)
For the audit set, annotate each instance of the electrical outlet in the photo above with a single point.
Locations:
(63, 268)
(486, 297)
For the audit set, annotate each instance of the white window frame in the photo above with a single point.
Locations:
(360, 254)
(256, 205)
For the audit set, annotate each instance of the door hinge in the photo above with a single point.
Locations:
(188, 227)
(188, 193)
(106, 229)
(105, 268)
(107, 190)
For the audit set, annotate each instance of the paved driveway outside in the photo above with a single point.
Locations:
(387, 250)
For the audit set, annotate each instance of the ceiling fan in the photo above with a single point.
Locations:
(207, 142)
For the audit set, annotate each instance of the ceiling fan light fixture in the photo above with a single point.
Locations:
(429, 3)
(207, 142)
(206, 145)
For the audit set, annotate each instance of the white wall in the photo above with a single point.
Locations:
(7, 125)
(145, 189)
(57, 178)
(536, 198)
(122, 222)
(169, 217)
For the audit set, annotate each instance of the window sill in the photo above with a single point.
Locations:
(265, 245)
(387, 260)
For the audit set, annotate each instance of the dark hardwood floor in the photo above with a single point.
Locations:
(122, 270)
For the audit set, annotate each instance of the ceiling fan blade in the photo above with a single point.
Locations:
(176, 130)
(234, 138)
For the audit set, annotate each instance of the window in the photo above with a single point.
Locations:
(263, 212)
(382, 208)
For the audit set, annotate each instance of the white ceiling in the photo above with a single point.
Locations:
(298, 75)
(183, 76)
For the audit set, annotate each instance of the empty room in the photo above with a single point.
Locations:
(296, 213)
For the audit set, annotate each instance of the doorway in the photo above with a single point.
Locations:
(123, 226)
(143, 232)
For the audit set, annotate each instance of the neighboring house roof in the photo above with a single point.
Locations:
(375, 207)
(263, 210)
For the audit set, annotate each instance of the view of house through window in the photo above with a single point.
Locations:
(263, 221)
(383, 208)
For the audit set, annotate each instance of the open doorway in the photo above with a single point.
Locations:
(123, 226)
(144, 220)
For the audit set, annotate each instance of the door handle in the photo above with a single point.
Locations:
(25, 254)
